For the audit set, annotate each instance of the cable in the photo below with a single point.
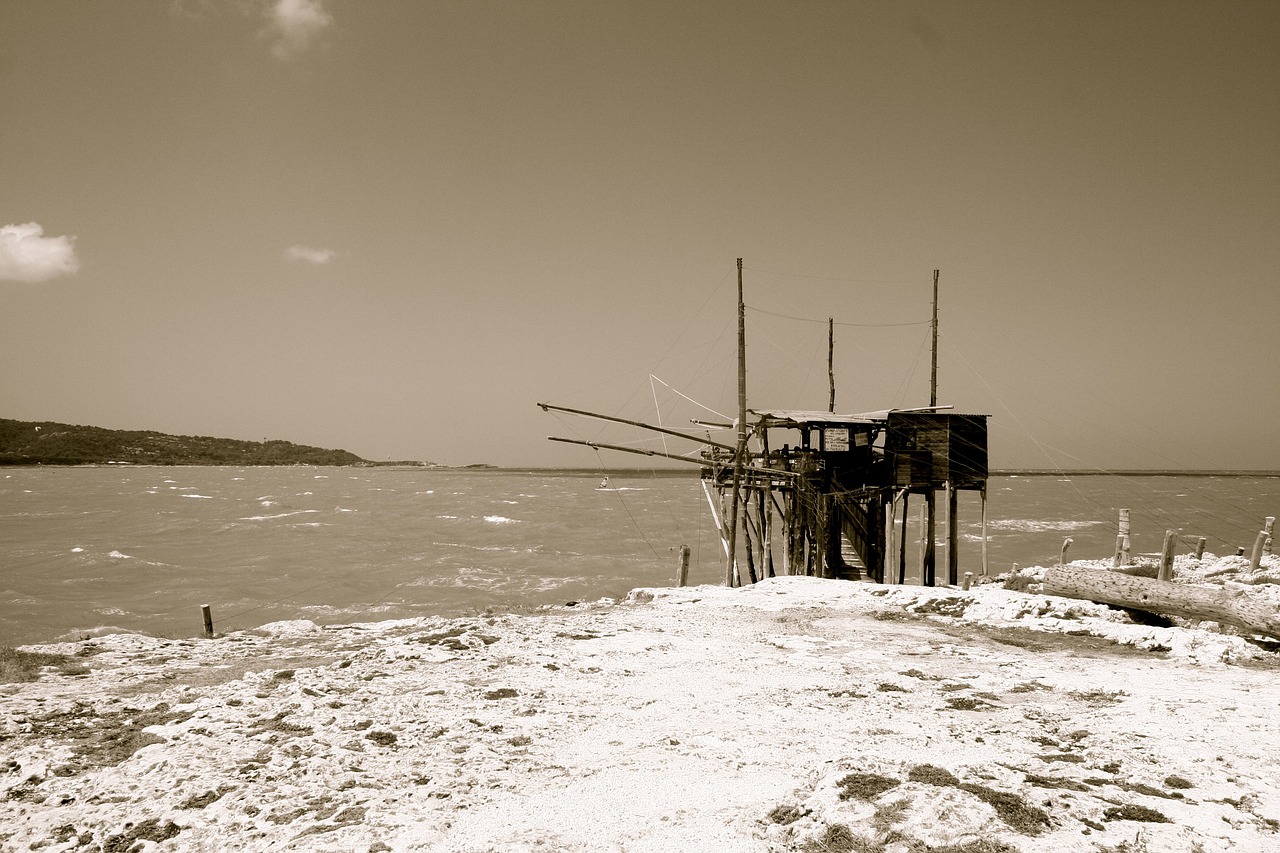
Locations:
(838, 323)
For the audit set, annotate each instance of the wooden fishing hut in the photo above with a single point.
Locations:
(831, 492)
(834, 496)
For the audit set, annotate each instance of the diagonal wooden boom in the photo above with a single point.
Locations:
(547, 407)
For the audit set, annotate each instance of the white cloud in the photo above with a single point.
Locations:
(309, 255)
(27, 255)
(295, 25)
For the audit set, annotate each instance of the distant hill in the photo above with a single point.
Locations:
(46, 443)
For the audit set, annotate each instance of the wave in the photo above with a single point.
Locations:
(1036, 525)
(278, 515)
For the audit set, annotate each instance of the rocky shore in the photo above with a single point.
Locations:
(793, 715)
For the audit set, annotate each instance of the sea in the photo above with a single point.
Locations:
(114, 548)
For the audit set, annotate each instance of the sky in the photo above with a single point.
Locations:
(394, 227)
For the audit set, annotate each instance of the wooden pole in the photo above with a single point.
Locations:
(890, 511)
(1256, 559)
(208, 620)
(902, 538)
(1062, 555)
(968, 579)
(547, 407)
(739, 456)
(1122, 541)
(748, 531)
(821, 539)
(788, 533)
(831, 362)
(1269, 529)
(953, 536)
(766, 508)
(931, 535)
(716, 518)
(933, 372)
(926, 541)
(984, 530)
(682, 575)
(1166, 556)
(1200, 547)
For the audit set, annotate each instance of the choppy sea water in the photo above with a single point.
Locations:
(142, 548)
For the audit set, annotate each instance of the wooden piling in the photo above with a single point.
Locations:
(1166, 556)
(984, 529)
(1258, 543)
(1200, 548)
(208, 620)
(1269, 528)
(1122, 541)
(930, 538)
(902, 538)
(968, 579)
(953, 535)
(682, 575)
(890, 545)
(1062, 555)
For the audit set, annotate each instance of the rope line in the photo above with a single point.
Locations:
(838, 322)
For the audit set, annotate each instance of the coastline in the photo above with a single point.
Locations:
(786, 716)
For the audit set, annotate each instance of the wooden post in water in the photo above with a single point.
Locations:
(1256, 559)
(968, 579)
(890, 509)
(682, 575)
(953, 536)
(984, 529)
(926, 540)
(1166, 556)
(902, 538)
(1200, 548)
(788, 532)
(1269, 529)
(1122, 541)
(1062, 555)
(931, 537)
(208, 620)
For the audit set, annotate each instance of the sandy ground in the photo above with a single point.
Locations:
(794, 715)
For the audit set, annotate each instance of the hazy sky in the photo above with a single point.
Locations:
(394, 226)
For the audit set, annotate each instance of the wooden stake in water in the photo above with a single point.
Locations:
(1200, 548)
(1066, 545)
(1269, 529)
(968, 579)
(208, 620)
(682, 577)
(984, 530)
(1122, 540)
(1258, 543)
(1166, 556)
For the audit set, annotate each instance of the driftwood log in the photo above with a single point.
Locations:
(1164, 597)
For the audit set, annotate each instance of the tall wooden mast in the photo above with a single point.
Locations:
(930, 528)
(933, 373)
(831, 363)
(740, 456)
